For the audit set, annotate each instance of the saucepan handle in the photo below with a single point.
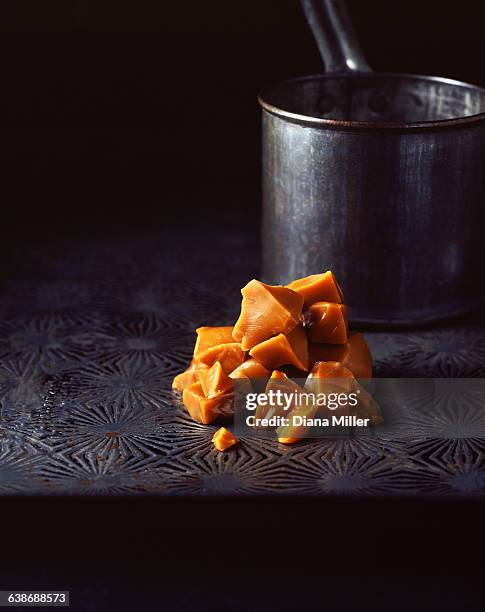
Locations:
(330, 23)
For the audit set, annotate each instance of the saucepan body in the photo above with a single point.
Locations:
(380, 178)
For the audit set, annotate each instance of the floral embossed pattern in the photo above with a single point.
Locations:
(91, 336)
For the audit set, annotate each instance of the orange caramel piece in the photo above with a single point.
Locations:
(327, 322)
(280, 350)
(289, 434)
(355, 355)
(190, 375)
(250, 368)
(317, 288)
(229, 355)
(299, 342)
(330, 377)
(214, 380)
(224, 439)
(266, 311)
(366, 407)
(207, 337)
(204, 409)
(329, 369)
(278, 381)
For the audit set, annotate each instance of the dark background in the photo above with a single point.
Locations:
(122, 112)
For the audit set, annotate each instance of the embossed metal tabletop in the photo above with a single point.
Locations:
(92, 333)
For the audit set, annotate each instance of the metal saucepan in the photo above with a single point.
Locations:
(378, 177)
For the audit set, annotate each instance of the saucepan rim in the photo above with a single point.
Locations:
(308, 120)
